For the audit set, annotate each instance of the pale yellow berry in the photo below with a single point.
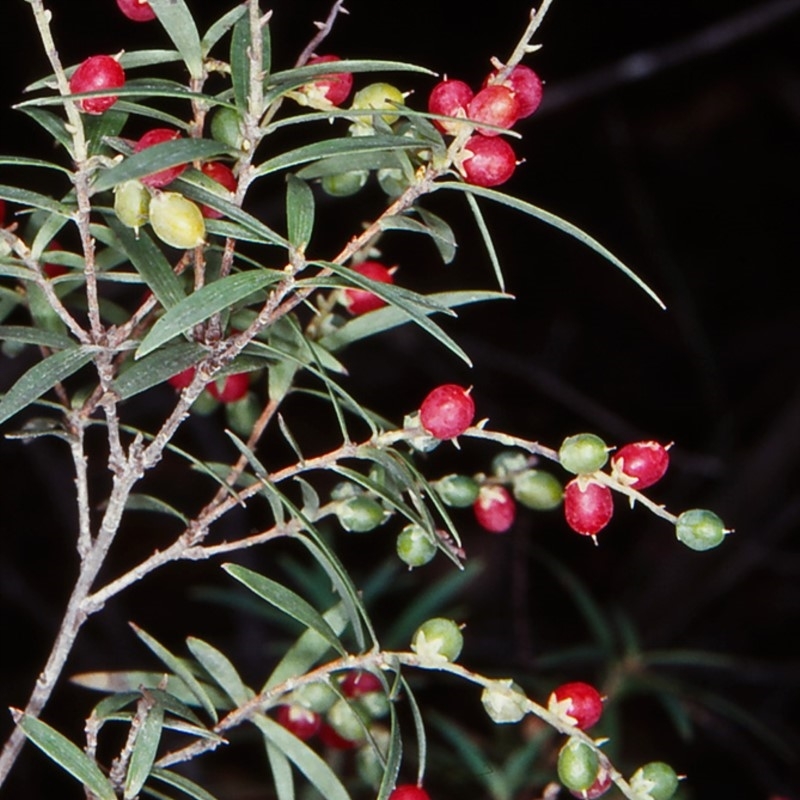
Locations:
(177, 221)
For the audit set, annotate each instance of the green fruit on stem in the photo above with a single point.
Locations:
(504, 702)
(655, 781)
(132, 204)
(538, 490)
(700, 529)
(578, 765)
(414, 546)
(457, 491)
(583, 453)
(509, 462)
(177, 221)
(226, 127)
(378, 97)
(437, 640)
(345, 183)
(344, 717)
(360, 514)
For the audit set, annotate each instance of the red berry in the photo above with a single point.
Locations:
(137, 10)
(182, 379)
(94, 74)
(334, 87)
(2, 212)
(495, 509)
(330, 738)
(527, 88)
(409, 791)
(222, 174)
(359, 301)
(359, 682)
(301, 721)
(234, 387)
(488, 161)
(153, 137)
(578, 701)
(495, 105)
(450, 98)
(640, 464)
(588, 506)
(54, 270)
(447, 411)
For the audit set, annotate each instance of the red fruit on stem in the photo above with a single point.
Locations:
(2, 212)
(447, 411)
(495, 509)
(488, 161)
(182, 379)
(359, 301)
(94, 74)
(640, 464)
(409, 791)
(494, 105)
(527, 88)
(234, 387)
(602, 783)
(588, 506)
(330, 738)
(153, 137)
(360, 682)
(137, 10)
(578, 701)
(335, 87)
(450, 98)
(222, 174)
(301, 721)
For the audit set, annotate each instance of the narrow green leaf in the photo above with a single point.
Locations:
(219, 667)
(180, 669)
(144, 502)
(336, 165)
(442, 234)
(392, 758)
(299, 212)
(98, 126)
(19, 161)
(419, 728)
(241, 47)
(311, 502)
(556, 222)
(287, 601)
(189, 788)
(291, 441)
(205, 302)
(28, 199)
(144, 751)
(282, 778)
(29, 335)
(219, 28)
(68, 756)
(178, 22)
(40, 378)
(155, 369)
(488, 242)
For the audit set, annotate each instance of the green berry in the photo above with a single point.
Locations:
(457, 491)
(583, 453)
(538, 490)
(414, 546)
(360, 514)
(437, 640)
(655, 781)
(345, 489)
(504, 702)
(393, 181)
(508, 462)
(700, 529)
(317, 697)
(132, 204)
(378, 97)
(345, 183)
(578, 765)
(177, 221)
(345, 719)
(371, 757)
(226, 127)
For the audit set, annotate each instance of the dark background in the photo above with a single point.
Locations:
(669, 131)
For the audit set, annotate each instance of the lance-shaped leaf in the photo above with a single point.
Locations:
(299, 212)
(219, 28)
(204, 303)
(68, 756)
(28, 199)
(40, 378)
(145, 502)
(178, 22)
(157, 368)
(440, 231)
(144, 752)
(282, 777)
(27, 335)
(220, 668)
(182, 783)
(241, 53)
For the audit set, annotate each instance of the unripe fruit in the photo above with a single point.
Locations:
(578, 703)
(504, 702)
(345, 719)
(177, 221)
(414, 546)
(538, 490)
(488, 161)
(409, 791)
(449, 98)
(230, 388)
(655, 781)
(508, 463)
(137, 10)
(578, 765)
(447, 411)
(360, 514)
(132, 204)
(317, 697)
(495, 509)
(153, 137)
(437, 640)
(700, 529)
(302, 722)
(601, 785)
(226, 127)
(527, 88)
(333, 88)
(378, 97)
(94, 74)
(494, 105)
(360, 301)
(223, 175)
(583, 453)
(588, 506)
(393, 181)
(344, 184)
(458, 491)
(640, 464)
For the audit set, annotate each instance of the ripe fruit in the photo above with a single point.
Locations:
(488, 161)
(578, 765)
(137, 10)
(578, 703)
(2, 212)
(182, 379)
(359, 301)
(495, 509)
(95, 74)
(588, 506)
(223, 175)
(583, 453)
(414, 546)
(359, 682)
(700, 529)
(656, 781)
(153, 137)
(302, 722)
(409, 791)
(436, 640)
(230, 388)
(458, 491)
(360, 514)
(176, 220)
(330, 738)
(527, 88)
(451, 99)
(333, 88)
(377, 97)
(447, 411)
(601, 785)
(132, 204)
(538, 490)
(640, 464)
(494, 105)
